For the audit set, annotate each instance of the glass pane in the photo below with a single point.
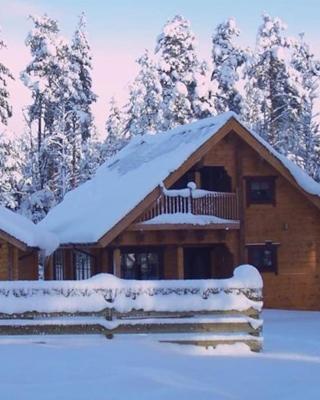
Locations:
(144, 265)
(82, 266)
(58, 265)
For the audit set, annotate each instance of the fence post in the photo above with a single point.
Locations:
(191, 186)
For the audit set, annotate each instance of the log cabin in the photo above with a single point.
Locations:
(193, 203)
(22, 245)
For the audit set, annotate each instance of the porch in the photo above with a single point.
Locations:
(191, 208)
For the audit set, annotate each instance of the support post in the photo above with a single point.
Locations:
(180, 263)
(117, 262)
(241, 203)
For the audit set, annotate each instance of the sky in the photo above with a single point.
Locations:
(120, 30)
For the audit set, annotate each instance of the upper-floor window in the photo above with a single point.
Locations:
(263, 256)
(261, 190)
(215, 179)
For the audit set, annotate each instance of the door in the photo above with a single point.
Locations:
(197, 263)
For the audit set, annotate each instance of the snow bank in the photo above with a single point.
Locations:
(26, 231)
(241, 292)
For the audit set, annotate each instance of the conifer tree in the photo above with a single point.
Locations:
(307, 134)
(227, 59)
(115, 129)
(273, 97)
(180, 71)
(81, 65)
(11, 172)
(145, 97)
(5, 74)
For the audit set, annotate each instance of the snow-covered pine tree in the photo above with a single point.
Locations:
(273, 98)
(307, 67)
(92, 157)
(185, 98)
(79, 126)
(5, 74)
(41, 76)
(145, 99)
(36, 201)
(51, 80)
(227, 59)
(11, 172)
(82, 67)
(115, 129)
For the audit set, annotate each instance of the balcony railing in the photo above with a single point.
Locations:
(194, 201)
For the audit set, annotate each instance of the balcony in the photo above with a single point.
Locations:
(192, 207)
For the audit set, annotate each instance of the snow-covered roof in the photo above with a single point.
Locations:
(91, 210)
(25, 231)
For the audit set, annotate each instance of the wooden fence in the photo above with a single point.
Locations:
(194, 201)
(205, 312)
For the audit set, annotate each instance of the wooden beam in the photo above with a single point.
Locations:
(176, 227)
(117, 262)
(10, 264)
(180, 262)
(241, 199)
(12, 240)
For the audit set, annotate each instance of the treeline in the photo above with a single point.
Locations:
(273, 88)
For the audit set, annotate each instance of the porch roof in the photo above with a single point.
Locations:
(23, 233)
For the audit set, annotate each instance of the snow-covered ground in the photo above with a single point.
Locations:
(138, 367)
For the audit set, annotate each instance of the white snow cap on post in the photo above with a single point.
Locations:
(247, 276)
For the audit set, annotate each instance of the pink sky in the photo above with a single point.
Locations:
(119, 30)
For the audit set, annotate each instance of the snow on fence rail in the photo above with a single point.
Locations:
(241, 292)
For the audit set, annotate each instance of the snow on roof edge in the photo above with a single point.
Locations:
(305, 181)
(25, 231)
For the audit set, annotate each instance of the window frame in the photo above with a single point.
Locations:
(59, 267)
(268, 245)
(271, 179)
(85, 273)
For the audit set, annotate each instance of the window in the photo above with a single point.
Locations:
(215, 179)
(83, 265)
(263, 257)
(58, 265)
(261, 190)
(141, 264)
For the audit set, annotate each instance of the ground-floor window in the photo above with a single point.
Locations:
(82, 265)
(263, 256)
(145, 264)
(58, 265)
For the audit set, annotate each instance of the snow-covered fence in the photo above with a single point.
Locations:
(102, 292)
(216, 311)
